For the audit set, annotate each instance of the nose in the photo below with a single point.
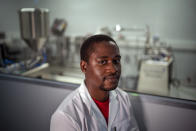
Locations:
(112, 68)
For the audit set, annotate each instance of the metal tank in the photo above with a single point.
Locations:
(34, 26)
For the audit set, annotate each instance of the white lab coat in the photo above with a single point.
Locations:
(78, 112)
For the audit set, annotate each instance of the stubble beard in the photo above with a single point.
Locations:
(103, 88)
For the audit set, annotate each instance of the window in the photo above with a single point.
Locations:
(156, 40)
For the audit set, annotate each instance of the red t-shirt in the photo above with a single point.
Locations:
(104, 108)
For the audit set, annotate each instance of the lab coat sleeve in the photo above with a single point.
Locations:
(62, 122)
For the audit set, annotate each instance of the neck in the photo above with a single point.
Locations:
(97, 93)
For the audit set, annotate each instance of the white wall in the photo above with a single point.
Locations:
(174, 19)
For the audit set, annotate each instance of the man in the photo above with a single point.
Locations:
(97, 105)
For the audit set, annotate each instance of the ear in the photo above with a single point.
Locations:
(83, 66)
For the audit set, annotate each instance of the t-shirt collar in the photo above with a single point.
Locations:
(87, 98)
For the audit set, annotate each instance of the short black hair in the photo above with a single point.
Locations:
(87, 46)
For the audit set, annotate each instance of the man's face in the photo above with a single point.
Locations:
(103, 68)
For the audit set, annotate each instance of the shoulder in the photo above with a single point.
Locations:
(62, 118)
(72, 106)
(70, 103)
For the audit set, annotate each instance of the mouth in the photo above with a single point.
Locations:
(111, 82)
(112, 78)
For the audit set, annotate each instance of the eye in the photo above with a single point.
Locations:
(103, 62)
(116, 61)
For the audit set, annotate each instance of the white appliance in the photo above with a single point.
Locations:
(154, 77)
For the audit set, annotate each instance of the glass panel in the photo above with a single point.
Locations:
(157, 41)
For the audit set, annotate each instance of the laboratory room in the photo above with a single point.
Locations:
(141, 76)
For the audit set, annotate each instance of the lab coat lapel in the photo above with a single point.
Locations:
(98, 115)
(113, 107)
(92, 107)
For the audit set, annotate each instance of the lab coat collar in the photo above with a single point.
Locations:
(113, 103)
(85, 96)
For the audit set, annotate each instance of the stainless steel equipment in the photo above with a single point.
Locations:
(62, 45)
(34, 26)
